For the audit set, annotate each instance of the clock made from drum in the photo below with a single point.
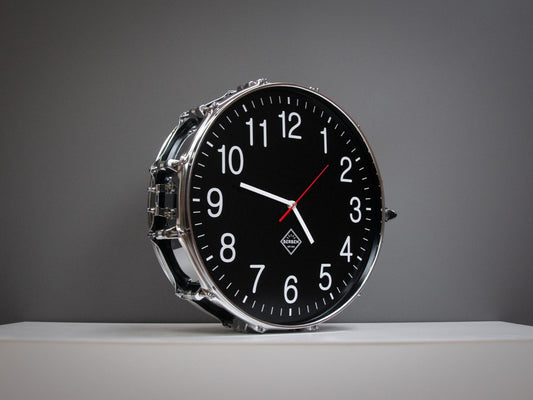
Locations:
(285, 206)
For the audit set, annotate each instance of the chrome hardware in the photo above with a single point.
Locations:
(162, 203)
(160, 191)
(203, 110)
(162, 211)
(258, 82)
(162, 234)
(173, 165)
(238, 325)
(192, 295)
(311, 328)
(163, 188)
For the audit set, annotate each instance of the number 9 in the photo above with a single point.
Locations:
(216, 203)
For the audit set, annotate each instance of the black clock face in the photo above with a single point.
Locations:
(285, 206)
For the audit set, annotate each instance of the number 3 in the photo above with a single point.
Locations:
(357, 209)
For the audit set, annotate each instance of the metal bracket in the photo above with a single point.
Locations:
(160, 208)
(172, 164)
(171, 233)
(390, 214)
(196, 295)
(162, 204)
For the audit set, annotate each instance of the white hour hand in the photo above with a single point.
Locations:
(304, 226)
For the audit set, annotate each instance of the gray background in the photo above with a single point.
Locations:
(443, 91)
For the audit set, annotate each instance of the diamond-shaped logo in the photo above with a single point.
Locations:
(291, 241)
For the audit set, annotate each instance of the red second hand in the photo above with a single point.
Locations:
(302, 195)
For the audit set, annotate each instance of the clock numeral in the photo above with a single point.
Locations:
(324, 133)
(227, 240)
(260, 268)
(235, 159)
(297, 122)
(345, 251)
(290, 291)
(325, 274)
(346, 160)
(356, 215)
(263, 125)
(216, 203)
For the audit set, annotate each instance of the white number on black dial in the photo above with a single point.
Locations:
(234, 159)
(290, 291)
(227, 249)
(292, 118)
(325, 277)
(216, 201)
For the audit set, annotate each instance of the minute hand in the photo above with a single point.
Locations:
(266, 194)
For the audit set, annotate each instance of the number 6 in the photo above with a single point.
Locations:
(290, 288)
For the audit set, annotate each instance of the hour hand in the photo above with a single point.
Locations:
(304, 226)
(266, 194)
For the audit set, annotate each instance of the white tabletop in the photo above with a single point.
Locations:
(348, 334)
(444, 360)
